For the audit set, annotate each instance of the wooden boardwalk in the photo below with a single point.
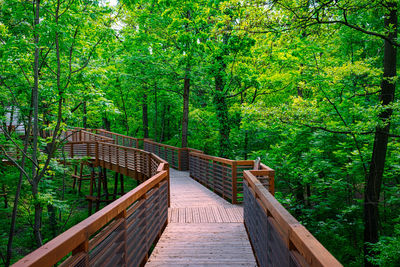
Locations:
(203, 229)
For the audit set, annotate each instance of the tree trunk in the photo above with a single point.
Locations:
(162, 124)
(106, 123)
(84, 115)
(123, 106)
(37, 224)
(374, 178)
(245, 144)
(185, 116)
(145, 118)
(222, 110)
(35, 132)
(168, 129)
(156, 112)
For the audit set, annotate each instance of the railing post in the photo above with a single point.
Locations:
(272, 182)
(123, 215)
(179, 159)
(169, 185)
(148, 165)
(126, 161)
(234, 182)
(117, 157)
(83, 248)
(97, 153)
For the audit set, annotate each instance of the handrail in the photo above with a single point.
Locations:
(83, 135)
(178, 157)
(116, 136)
(163, 145)
(128, 226)
(77, 239)
(221, 175)
(271, 227)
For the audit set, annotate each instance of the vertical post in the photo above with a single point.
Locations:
(84, 247)
(169, 185)
(117, 157)
(272, 182)
(97, 153)
(148, 165)
(212, 185)
(234, 182)
(126, 161)
(109, 155)
(179, 159)
(123, 215)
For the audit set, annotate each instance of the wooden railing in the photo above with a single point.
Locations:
(121, 139)
(123, 232)
(79, 135)
(277, 238)
(223, 176)
(177, 157)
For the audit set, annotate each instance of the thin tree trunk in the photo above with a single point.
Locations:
(10, 126)
(106, 123)
(185, 116)
(374, 178)
(222, 110)
(17, 195)
(145, 118)
(5, 196)
(35, 133)
(162, 124)
(156, 111)
(168, 129)
(84, 115)
(124, 108)
(246, 144)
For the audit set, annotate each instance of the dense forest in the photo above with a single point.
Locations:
(306, 85)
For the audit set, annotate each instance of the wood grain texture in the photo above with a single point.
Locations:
(203, 229)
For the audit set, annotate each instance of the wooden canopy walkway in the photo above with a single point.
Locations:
(171, 219)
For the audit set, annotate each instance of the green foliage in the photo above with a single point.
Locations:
(267, 79)
(388, 248)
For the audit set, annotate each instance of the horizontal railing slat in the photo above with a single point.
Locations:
(115, 220)
(283, 240)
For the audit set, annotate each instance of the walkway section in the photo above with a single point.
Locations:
(203, 229)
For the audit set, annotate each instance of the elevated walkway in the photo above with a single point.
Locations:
(177, 219)
(203, 229)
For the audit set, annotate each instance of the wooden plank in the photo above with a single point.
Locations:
(217, 244)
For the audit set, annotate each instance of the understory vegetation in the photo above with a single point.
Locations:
(309, 86)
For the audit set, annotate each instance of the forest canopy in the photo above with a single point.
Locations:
(309, 86)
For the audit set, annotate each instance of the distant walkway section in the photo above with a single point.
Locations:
(203, 229)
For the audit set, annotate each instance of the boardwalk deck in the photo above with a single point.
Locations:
(203, 229)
